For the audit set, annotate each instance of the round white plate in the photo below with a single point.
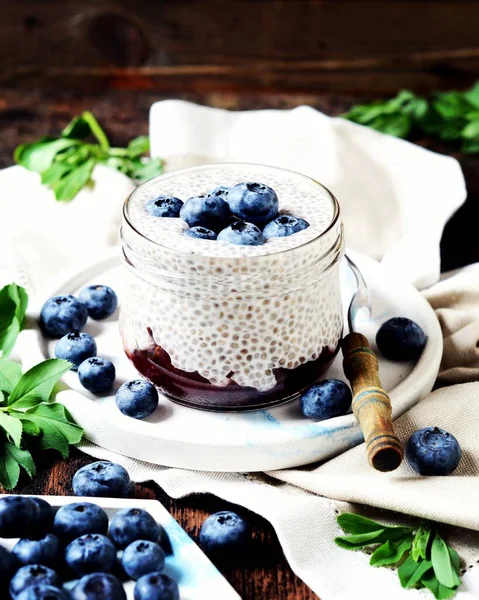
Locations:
(249, 441)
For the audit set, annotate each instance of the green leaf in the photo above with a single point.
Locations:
(13, 305)
(352, 542)
(20, 297)
(471, 130)
(55, 172)
(138, 146)
(420, 542)
(353, 523)
(390, 552)
(38, 156)
(10, 374)
(96, 129)
(147, 170)
(398, 125)
(441, 592)
(443, 565)
(12, 427)
(411, 572)
(451, 105)
(9, 337)
(36, 385)
(78, 129)
(31, 428)
(472, 96)
(68, 186)
(11, 459)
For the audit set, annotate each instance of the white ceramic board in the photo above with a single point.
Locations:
(249, 441)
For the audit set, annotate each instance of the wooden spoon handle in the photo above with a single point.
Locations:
(371, 404)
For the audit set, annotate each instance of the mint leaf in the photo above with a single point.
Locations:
(420, 542)
(146, 170)
(12, 428)
(411, 572)
(68, 186)
(11, 459)
(472, 96)
(360, 540)
(471, 130)
(96, 129)
(441, 592)
(55, 172)
(38, 156)
(10, 374)
(13, 305)
(36, 385)
(139, 146)
(391, 552)
(353, 523)
(444, 564)
(78, 128)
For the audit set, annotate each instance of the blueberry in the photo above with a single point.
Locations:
(18, 515)
(253, 202)
(433, 451)
(211, 212)
(156, 586)
(283, 226)
(42, 592)
(62, 314)
(220, 192)
(164, 206)
(45, 551)
(201, 233)
(44, 520)
(90, 553)
(142, 557)
(97, 374)
(401, 339)
(131, 524)
(137, 398)
(79, 518)
(242, 234)
(98, 586)
(100, 301)
(75, 347)
(8, 565)
(102, 479)
(325, 400)
(32, 575)
(224, 534)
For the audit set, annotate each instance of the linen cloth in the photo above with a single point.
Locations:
(388, 190)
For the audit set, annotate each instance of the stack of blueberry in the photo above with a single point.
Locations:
(246, 214)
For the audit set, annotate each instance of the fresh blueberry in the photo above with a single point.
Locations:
(137, 398)
(69, 585)
(42, 592)
(211, 212)
(32, 575)
(224, 534)
(44, 520)
(62, 314)
(164, 206)
(201, 233)
(433, 451)
(242, 234)
(156, 586)
(8, 566)
(142, 557)
(90, 553)
(253, 202)
(325, 400)
(18, 515)
(100, 301)
(131, 524)
(98, 586)
(97, 374)
(283, 226)
(102, 479)
(401, 339)
(45, 551)
(79, 518)
(75, 347)
(220, 192)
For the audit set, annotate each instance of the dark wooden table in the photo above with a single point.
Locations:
(27, 115)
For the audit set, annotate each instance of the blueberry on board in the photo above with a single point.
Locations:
(18, 515)
(325, 400)
(253, 202)
(211, 212)
(97, 374)
(44, 520)
(433, 451)
(142, 557)
(401, 339)
(100, 301)
(102, 479)
(75, 347)
(137, 398)
(201, 233)
(242, 234)
(98, 586)
(90, 553)
(164, 206)
(42, 592)
(224, 534)
(156, 586)
(45, 551)
(8, 566)
(32, 575)
(62, 314)
(79, 518)
(131, 524)
(283, 226)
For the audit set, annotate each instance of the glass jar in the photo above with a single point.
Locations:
(223, 327)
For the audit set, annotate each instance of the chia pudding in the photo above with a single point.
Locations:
(221, 326)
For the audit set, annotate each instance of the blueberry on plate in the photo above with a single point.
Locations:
(102, 479)
(100, 301)
(156, 586)
(131, 524)
(90, 553)
(32, 575)
(211, 212)
(164, 206)
(201, 233)
(97, 374)
(62, 314)
(283, 226)
(224, 534)
(142, 557)
(79, 518)
(75, 347)
(42, 592)
(98, 586)
(137, 398)
(325, 400)
(253, 202)
(45, 551)
(18, 515)
(433, 451)
(8, 566)
(242, 234)
(44, 520)
(401, 339)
